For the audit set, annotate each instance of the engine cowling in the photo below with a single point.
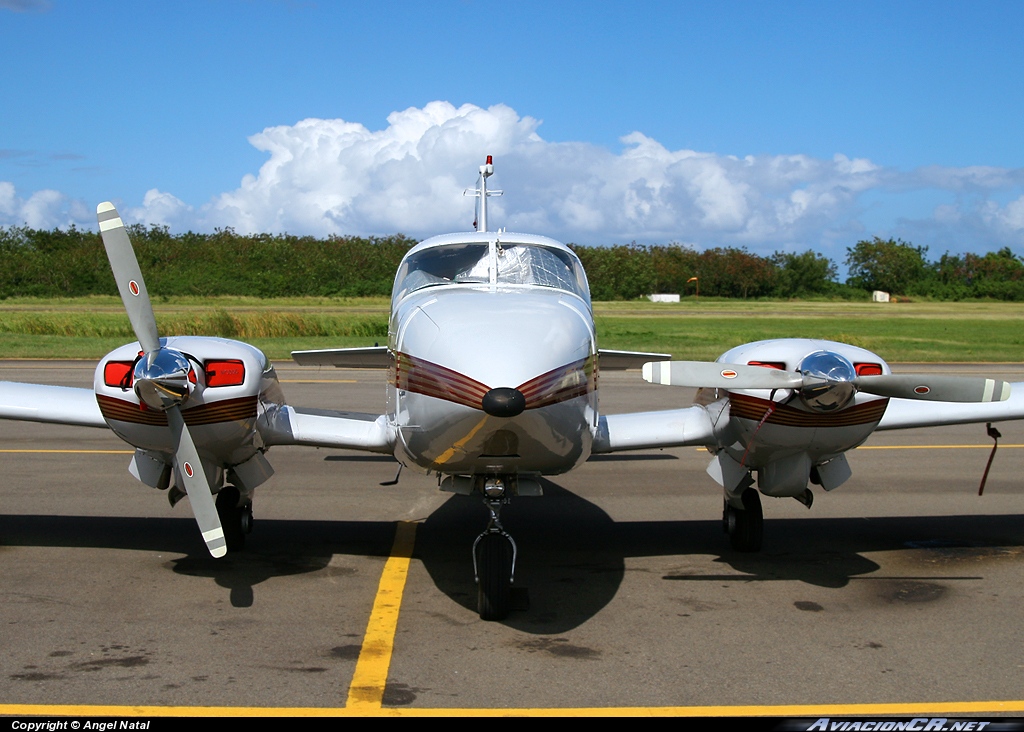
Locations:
(218, 385)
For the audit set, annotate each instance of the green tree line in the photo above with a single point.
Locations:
(71, 262)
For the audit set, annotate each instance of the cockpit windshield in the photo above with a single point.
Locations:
(442, 266)
(522, 264)
(504, 263)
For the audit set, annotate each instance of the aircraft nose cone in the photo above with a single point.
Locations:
(504, 402)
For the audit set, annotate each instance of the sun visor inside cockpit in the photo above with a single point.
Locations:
(520, 264)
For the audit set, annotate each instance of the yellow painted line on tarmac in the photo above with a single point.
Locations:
(933, 447)
(780, 710)
(79, 452)
(917, 447)
(366, 693)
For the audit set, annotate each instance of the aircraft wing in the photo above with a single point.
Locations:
(906, 413)
(286, 425)
(56, 404)
(623, 360)
(372, 357)
(645, 430)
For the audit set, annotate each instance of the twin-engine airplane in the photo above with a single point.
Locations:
(493, 382)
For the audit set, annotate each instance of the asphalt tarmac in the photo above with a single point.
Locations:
(900, 587)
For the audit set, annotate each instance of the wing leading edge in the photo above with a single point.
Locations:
(44, 403)
(907, 413)
(371, 357)
(286, 425)
(376, 357)
(695, 426)
(646, 430)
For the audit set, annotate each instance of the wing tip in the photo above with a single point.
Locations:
(104, 207)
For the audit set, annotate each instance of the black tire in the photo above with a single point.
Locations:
(231, 517)
(494, 568)
(746, 527)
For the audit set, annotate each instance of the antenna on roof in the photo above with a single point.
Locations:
(486, 171)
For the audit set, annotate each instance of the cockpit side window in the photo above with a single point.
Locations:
(443, 265)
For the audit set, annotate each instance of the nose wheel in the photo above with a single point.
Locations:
(494, 560)
(745, 526)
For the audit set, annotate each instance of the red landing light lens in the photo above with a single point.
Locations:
(868, 369)
(224, 373)
(118, 374)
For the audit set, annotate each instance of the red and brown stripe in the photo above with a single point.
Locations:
(430, 379)
(228, 410)
(745, 406)
(561, 384)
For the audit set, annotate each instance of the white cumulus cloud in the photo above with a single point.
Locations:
(45, 209)
(160, 209)
(333, 176)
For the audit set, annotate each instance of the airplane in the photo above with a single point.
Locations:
(493, 374)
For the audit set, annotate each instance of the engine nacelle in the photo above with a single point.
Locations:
(219, 385)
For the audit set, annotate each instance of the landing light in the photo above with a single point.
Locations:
(118, 373)
(777, 365)
(494, 487)
(227, 372)
(868, 369)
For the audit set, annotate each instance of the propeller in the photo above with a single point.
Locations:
(163, 377)
(827, 380)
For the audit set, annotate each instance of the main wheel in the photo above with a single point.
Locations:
(746, 527)
(234, 519)
(494, 569)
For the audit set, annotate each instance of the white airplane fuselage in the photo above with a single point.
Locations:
(452, 342)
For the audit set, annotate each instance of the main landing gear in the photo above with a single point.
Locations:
(235, 517)
(494, 561)
(745, 526)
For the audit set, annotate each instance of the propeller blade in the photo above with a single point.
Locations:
(190, 467)
(935, 388)
(128, 276)
(719, 375)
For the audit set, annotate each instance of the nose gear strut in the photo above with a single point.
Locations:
(494, 563)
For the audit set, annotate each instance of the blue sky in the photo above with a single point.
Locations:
(767, 125)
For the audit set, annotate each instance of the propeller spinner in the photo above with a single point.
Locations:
(164, 378)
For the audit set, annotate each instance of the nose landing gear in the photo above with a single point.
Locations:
(494, 562)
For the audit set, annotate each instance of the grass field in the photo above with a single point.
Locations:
(957, 332)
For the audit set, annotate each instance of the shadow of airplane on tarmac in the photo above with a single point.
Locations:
(572, 555)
